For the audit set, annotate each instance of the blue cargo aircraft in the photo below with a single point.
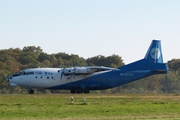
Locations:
(84, 79)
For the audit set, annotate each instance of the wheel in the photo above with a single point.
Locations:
(86, 91)
(80, 91)
(31, 91)
(73, 91)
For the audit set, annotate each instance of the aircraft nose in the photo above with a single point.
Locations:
(9, 78)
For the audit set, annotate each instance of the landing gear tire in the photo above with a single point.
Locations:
(31, 91)
(73, 91)
(86, 91)
(79, 91)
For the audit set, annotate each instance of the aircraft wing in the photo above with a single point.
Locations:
(85, 70)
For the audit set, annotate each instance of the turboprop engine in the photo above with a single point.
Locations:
(77, 71)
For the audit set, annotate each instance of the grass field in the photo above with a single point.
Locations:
(97, 107)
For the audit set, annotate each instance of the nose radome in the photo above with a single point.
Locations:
(8, 78)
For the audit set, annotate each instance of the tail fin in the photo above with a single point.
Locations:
(153, 60)
(154, 53)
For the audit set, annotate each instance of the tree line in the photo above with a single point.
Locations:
(13, 60)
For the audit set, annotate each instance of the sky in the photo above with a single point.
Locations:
(92, 27)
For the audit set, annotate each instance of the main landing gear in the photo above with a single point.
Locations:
(80, 91)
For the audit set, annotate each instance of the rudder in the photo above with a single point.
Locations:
(154, 53)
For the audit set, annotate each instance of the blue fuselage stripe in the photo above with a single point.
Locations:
(106, 80)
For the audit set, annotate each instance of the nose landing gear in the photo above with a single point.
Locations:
(31, 91)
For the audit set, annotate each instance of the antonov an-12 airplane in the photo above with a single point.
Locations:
(84, 79)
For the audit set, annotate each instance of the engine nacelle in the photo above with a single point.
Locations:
(77, 71)
(82, 71)
(68, 71)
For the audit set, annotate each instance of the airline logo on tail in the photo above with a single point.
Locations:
(155, 53)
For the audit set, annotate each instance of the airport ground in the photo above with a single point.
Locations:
(90, 106)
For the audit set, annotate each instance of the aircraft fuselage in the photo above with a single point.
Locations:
(83, 79)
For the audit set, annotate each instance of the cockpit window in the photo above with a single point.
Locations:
(18, 74)
(31, 72)
(23, 73)
(28, 73)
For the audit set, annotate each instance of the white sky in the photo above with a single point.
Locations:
(92, 27)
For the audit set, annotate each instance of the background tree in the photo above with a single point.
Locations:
(110, 61)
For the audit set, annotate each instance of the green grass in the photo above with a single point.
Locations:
(97, 106)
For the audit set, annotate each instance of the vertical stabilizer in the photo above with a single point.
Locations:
(153, 60)
(154, 53)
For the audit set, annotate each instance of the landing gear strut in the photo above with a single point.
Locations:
(79, 91)
(31, 91)
(86, 91)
